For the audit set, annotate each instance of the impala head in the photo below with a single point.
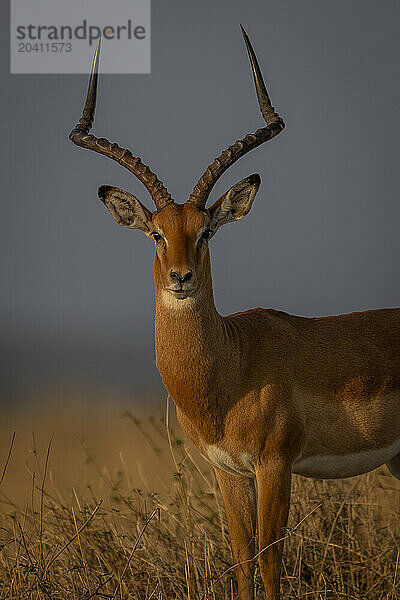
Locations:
(180, 232)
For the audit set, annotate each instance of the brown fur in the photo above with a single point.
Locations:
(271, 385)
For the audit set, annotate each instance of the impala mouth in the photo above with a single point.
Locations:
(182, 293)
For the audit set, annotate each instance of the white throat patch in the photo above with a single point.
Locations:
(173, 303)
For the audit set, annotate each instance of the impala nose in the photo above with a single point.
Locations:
(181, 278)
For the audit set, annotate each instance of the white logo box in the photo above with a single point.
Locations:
(60, 36)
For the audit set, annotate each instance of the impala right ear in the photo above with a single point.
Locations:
(236, 203)
(127, 210)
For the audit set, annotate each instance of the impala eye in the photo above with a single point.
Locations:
(156, 236)
(206, 235)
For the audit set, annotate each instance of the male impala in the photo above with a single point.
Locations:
(262, 394)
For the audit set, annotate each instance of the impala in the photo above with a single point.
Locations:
(262, 394)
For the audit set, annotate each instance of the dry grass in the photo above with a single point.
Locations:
(151, 525)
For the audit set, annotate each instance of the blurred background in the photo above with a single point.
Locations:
(77, 300)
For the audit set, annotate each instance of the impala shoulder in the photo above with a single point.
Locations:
(267, 317)
(266, 327)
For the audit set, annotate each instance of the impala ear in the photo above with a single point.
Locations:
(236, 203)
(127, 210)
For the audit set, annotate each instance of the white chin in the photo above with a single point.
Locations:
(176, 301)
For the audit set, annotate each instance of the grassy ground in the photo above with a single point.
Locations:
(116, 506)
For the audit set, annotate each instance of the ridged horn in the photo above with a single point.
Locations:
(274, 126)
(81, 137)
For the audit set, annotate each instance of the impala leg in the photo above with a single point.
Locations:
(273, 485)
(240, 504)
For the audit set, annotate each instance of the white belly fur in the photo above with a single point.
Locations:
(347, 465)
(319, 466)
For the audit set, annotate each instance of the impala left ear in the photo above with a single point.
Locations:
(236, 203)
(127, 210)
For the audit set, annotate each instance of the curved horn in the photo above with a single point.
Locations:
(81, 137)
(274, 126)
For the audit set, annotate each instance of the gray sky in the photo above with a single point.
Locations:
(322, 237)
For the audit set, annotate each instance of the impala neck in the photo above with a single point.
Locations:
(185, 325)
(190, 339)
